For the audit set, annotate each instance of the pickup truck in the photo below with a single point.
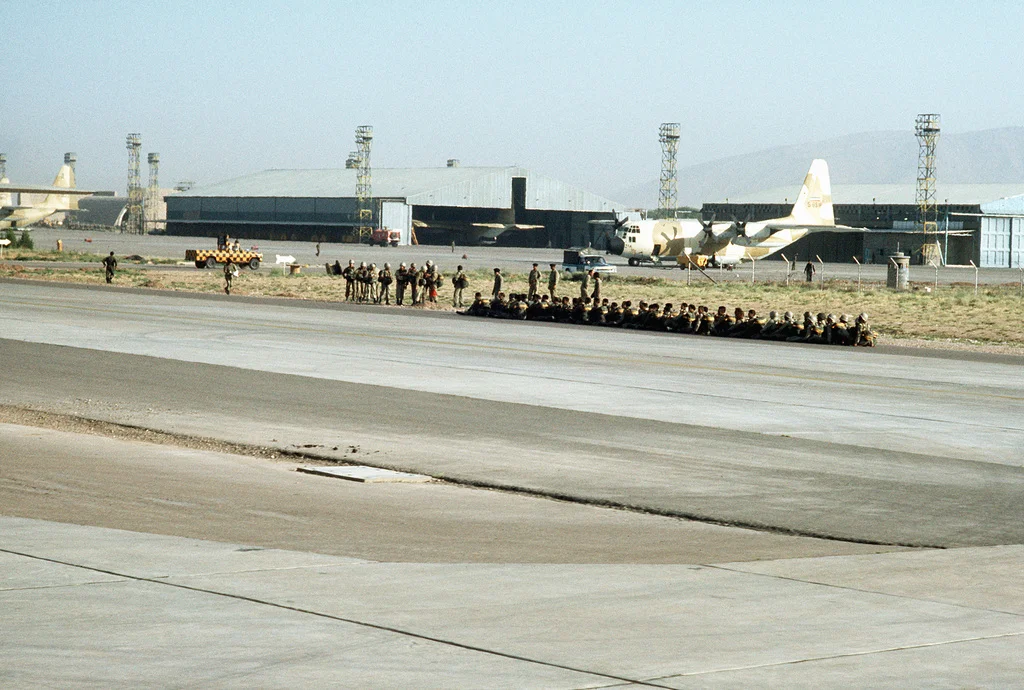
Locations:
(576, 261)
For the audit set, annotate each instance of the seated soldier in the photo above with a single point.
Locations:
(595, 317)
(722, 322)
(806, 329)
(517, 307)
(499, 306)
(613, 315)
(580, 308)
(769, 326)
(862, 335)
(627, 316)
(787, 328)
(752, 326)
(479, 307)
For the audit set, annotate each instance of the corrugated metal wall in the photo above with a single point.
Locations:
(395, 215)
(1002, 242)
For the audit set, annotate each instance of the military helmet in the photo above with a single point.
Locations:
(788, 316)
(831, 318)
(401, 265)
(429, 262)
(845, 318)
(362, 264)
(821, 316)
(351, 262)
(773, 314)
(387, 267)
(862, 317)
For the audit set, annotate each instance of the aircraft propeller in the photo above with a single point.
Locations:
(741, 225)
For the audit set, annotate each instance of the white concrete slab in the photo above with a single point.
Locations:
(980, 578)
(146, 555)
(501, 625)
(365, 474)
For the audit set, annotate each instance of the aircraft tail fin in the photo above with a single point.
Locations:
(814, 205)
(65, 178)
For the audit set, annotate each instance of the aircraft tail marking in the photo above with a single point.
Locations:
(814, 205)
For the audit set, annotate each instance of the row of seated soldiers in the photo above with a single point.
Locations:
(364, 283)
(690, 319)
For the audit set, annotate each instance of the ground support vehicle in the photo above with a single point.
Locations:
(209, 258)
(384, 237)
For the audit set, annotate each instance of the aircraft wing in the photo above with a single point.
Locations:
(35, 189)
(499, 226)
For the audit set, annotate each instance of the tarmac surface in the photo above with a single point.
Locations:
(617, 508)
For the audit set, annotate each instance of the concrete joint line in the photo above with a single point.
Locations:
(341, 619)
(848, 588)
(883, 650)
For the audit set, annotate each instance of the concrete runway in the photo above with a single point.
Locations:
(814, 449)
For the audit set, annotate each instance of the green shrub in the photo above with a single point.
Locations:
(26, 241)
(9, 235)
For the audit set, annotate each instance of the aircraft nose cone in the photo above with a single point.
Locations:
(616, 245)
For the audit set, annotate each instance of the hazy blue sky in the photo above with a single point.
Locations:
(573, 90)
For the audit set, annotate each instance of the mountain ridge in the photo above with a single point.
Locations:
(990, 156)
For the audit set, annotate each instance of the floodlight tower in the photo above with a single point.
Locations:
(926, 129)
(153, 190)
(133, 218)
(364, 182)
(668, 135)
(70, 159)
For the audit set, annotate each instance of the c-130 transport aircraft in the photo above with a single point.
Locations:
(61, 196)
(703, 242)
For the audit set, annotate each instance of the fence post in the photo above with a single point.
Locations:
(821, 280)
(858, 271)
(788, 267)
(975, 277)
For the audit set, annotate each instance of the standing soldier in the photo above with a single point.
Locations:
(585, 284)
(595, 296)
(552, 282)
(460, 283)
(809, 271)
(401, 280)
(413, 279)
(229, 273)
(499, 282)
(534, 281)
(109, 264)
(371, 283)
(385, 279)
(349, 274)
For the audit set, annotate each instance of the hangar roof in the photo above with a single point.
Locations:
(1013, 205)
(891, 193)
(458, 186)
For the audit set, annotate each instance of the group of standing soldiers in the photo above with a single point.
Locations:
(366, 284)
(689, 319)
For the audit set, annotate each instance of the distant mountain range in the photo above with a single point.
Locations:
(992, 156)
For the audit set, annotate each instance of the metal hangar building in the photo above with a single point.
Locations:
(466, 205)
